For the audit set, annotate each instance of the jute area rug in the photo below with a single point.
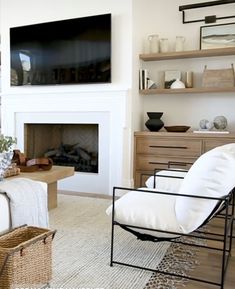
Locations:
(81, 250)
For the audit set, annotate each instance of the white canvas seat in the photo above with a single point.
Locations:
(138, 208)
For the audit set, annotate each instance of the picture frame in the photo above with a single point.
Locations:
(217, 36)
(170, 76)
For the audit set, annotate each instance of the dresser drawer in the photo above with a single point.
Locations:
(155, 150)
(141, 177)
(213, 143)
(149, 163)
(169, 147)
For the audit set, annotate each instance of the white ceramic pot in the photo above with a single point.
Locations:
(179, 43)
(177, 84)
(153, 43)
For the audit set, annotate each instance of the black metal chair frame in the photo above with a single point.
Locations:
(226, 212)
(171, 166)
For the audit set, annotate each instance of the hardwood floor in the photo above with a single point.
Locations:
(211, 272)
(209, 267)
(208, 261)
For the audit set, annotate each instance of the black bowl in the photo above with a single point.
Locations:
(177, 128)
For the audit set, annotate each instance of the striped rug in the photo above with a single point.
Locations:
(81, 249)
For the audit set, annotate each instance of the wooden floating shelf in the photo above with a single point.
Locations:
(188, 54)
(187, 90)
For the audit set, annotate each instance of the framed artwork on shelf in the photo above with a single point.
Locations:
(170, 77)
(217, 36)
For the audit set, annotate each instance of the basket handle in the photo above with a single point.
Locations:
(52, 234)
(232, 67)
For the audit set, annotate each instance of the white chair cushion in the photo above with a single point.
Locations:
(149, 210)
(211, 175)
(164, 184)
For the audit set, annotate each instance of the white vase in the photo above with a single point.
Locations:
(5, 161)
(153, 43)
(164, 45)
(177, 84)
(179, 43)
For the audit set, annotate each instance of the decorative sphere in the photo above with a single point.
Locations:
(209, 125)
(203, 123)
(220, 122)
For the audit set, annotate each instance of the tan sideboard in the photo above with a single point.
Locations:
(154, 150)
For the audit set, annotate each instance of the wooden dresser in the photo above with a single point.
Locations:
(154, 150)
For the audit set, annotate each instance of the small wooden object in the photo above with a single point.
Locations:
(218, 77)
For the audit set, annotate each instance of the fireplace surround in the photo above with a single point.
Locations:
(107, 109)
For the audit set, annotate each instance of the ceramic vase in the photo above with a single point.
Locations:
(154, 123)
(153, 43)
(177, 84)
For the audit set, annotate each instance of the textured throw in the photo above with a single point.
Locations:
(81, 249)
(28, 201)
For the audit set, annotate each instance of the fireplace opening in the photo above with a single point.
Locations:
(66, 144)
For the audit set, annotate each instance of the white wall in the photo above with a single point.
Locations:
(133, 21)
(17, 13)
(162, 17)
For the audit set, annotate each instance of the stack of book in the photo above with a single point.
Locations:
(143, 79)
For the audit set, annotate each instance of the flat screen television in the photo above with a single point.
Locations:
(73, 51)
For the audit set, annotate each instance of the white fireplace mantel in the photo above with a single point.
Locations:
(106, 108)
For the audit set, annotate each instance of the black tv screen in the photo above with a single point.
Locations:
(73, 51)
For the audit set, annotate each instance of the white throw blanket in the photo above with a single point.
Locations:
(28, 201)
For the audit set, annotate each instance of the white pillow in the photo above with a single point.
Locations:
(228, 148)
(211, 175)
(149, 210)
(164, 184)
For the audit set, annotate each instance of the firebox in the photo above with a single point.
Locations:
(66, 144)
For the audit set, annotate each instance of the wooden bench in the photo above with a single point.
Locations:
(50, 177)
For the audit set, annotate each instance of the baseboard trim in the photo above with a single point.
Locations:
(81, 194)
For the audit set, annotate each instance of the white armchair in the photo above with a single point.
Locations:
(179, 207)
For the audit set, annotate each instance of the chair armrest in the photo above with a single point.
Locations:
(172, 179)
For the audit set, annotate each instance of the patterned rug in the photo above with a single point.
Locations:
(178, 260)
(81, 250)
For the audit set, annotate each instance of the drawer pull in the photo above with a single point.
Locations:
(183, 164)
(169, 147)
(157, 163)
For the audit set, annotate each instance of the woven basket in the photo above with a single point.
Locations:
(25, 257)
(218, 77)
(11, 171)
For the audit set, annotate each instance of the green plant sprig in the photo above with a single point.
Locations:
(6, 143)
